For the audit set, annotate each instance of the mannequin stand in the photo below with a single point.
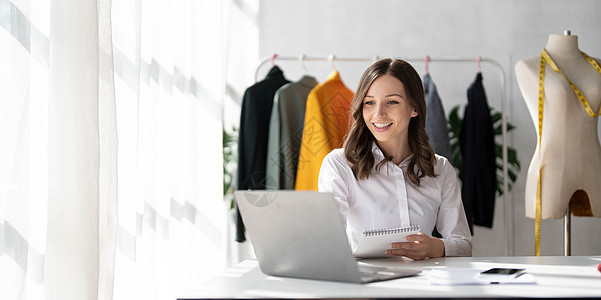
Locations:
(567, 227)
(567, 219)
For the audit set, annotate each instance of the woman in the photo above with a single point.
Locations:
(387, 174)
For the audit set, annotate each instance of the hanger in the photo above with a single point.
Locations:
(301, 60)
(272, 60)
(427, 63)
(478, 60)
(331, 59)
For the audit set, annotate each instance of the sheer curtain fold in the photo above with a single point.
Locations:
(108, 146)
(82, 143)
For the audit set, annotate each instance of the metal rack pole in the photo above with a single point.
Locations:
(508, 205)
(567, 228)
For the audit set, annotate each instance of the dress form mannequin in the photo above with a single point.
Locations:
(570, 153)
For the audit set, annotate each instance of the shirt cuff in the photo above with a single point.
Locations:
(455, 248)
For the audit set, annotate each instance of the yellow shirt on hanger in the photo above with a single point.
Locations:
(326, 124)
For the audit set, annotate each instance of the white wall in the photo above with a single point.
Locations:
(506, 31)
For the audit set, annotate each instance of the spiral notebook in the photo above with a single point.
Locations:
(374, 243)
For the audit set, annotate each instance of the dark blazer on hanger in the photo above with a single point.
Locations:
(254, 131)
(479, 170)
(436, 120)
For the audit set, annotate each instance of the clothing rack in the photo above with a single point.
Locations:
(508, 206)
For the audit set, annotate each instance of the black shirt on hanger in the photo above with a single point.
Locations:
(479, 170)
(254, 132)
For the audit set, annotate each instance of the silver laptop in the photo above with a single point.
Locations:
(300, 234)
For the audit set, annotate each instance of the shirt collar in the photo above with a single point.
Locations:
(379, 156)
(334, 76)
(275, 71)
(308, 81)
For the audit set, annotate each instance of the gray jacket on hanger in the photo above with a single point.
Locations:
(436, 120)
(285, 132)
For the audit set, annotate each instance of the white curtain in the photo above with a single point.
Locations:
(169, 87)
(110, 144)
(24, 102)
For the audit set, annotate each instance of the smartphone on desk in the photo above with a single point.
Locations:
(500, 274)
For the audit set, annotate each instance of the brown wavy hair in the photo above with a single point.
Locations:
(358, 142)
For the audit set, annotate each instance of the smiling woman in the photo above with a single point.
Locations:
(387, 112)
(383, 78)
(388, 176)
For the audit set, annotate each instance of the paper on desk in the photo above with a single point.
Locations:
(465, 276)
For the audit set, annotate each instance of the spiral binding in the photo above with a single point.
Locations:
(391, 230)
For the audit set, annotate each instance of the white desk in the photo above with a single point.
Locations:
(556, 276)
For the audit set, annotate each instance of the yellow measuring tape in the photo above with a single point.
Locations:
(546, 59)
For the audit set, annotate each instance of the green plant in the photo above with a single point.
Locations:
(513, 162)
(230, 145)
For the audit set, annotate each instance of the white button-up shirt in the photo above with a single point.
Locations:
(388, 199)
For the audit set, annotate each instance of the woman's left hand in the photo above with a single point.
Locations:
(418, 247)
